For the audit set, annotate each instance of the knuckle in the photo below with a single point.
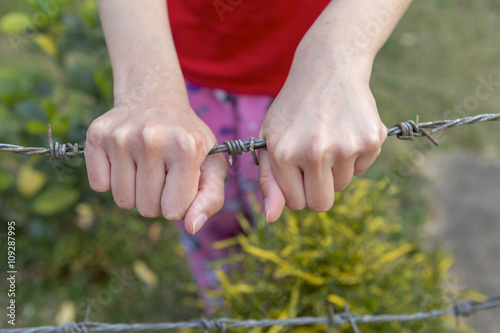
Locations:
(173, 216)
(125, 203)
(95, 134)
(215, 200)
(318, 154)
(343, 153)
(121, 135)
(173, 212)
(153, 137)
(314, 155)
(320, 207)
(98, 187)
(295, 205)
(283, 154)
(382, 133)
(149, 212)
(357, 172)
(371, 142)
(341, 185)
(191, 145)
(188, 144)
(219, 203)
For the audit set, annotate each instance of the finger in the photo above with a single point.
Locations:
(210, 196)
(274, 200)
(98, 168)
(181, 187)
(150, 181)
(342, 175)
(290, 180)
(318, 185)
(123, 173)
(364, 162)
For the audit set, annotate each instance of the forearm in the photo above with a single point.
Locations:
(323, 127)
(349, 33)
(141, 48)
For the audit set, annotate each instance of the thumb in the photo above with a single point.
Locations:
(274, 200)
(210, 197)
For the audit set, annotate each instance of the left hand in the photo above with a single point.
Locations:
(322, 129)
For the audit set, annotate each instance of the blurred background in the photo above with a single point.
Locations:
(75, 248)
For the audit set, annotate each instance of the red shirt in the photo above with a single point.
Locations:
(241, 46)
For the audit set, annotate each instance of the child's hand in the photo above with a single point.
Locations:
(324, 126)
(322, 129)
(155, 158)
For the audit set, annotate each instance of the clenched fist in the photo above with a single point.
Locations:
(155, 158)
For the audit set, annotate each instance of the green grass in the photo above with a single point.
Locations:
(432, 62)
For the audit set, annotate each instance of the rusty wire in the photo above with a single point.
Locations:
(404, 131)
(223, 324)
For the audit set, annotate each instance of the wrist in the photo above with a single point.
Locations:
(333, 57)
(141, 84)
(337, 39)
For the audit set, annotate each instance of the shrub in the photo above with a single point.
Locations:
(355, 255)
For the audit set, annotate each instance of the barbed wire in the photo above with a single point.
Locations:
(404, 131)
(223, 324)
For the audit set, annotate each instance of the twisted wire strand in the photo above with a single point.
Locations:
(238, 147)
(403, 130)
(222, 324)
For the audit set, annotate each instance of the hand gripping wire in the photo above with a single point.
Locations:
(406, 130)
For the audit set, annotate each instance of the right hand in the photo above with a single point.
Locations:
(155, 158)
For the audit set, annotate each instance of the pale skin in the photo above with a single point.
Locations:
(323, 128)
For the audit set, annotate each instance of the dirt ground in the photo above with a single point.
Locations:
(465, 220)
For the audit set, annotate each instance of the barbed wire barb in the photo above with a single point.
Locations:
(403, 130)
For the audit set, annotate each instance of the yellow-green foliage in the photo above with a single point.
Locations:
(355, 255)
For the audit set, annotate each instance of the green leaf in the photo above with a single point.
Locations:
(46, 43)
(15, 22)
(55, 200)
(145, 274)
(337, 300)
(103, 82)
(29, 110)
(14, 85)
(90, 12)
(6, 180)
(30, 181)
(36, 127)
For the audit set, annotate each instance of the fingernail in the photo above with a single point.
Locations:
(266, 209)
(199, 222)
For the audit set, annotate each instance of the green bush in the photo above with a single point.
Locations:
(355, 255)
(70, 241)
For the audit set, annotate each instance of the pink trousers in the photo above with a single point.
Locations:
(230, 116)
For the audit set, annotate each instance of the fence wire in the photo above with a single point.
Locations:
(403, 130)
(224, 324)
